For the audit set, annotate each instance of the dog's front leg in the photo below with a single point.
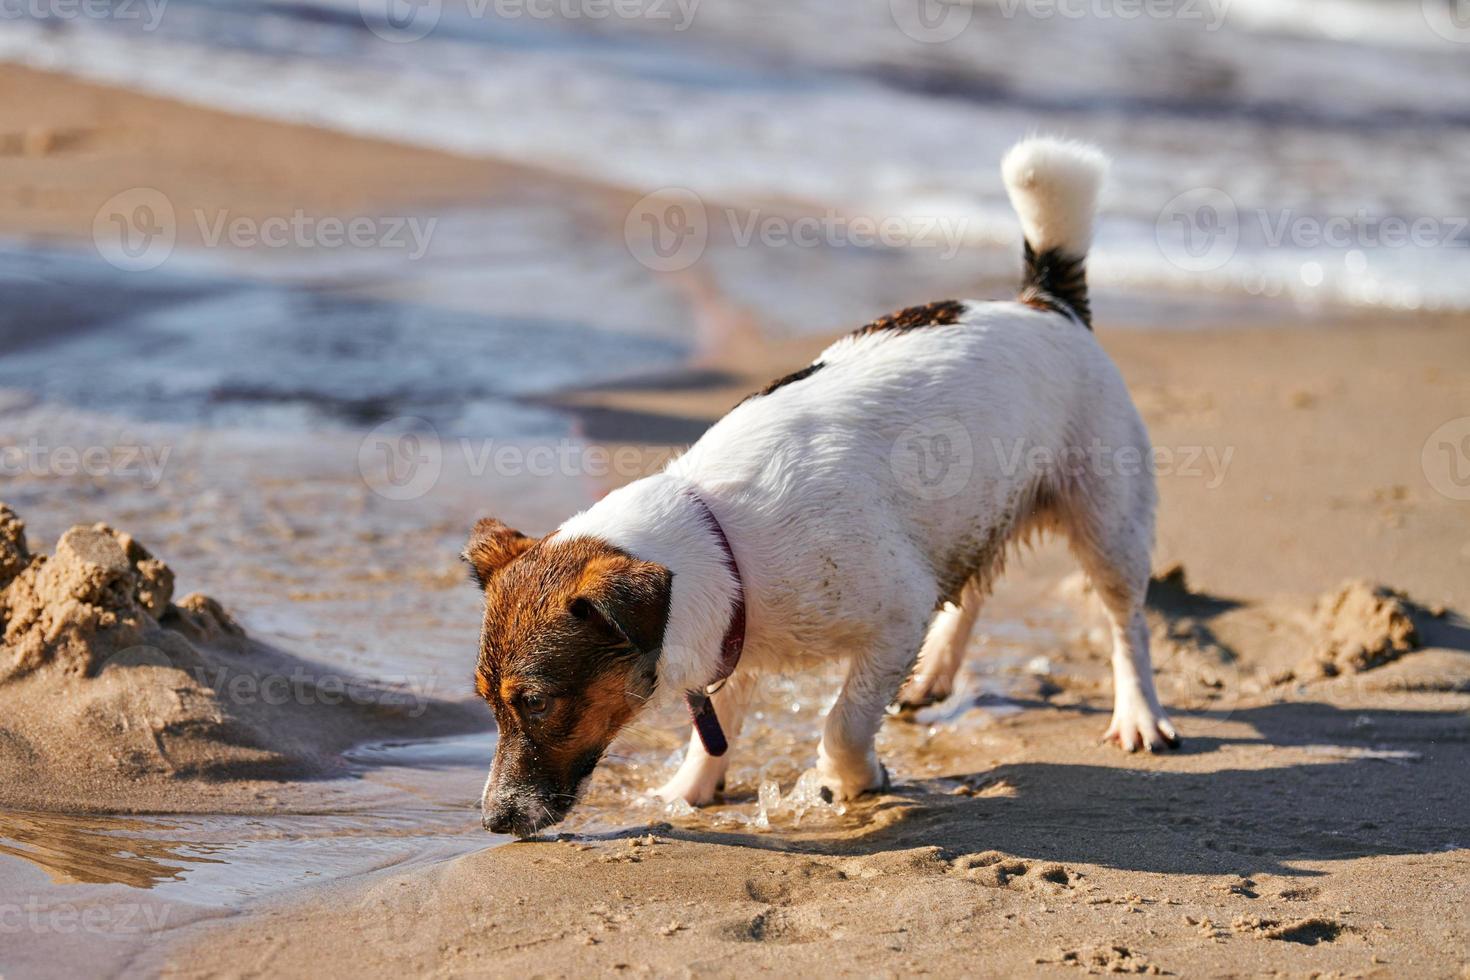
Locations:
(847, 760)
(701, 776)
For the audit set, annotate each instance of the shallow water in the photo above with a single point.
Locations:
(108, 894)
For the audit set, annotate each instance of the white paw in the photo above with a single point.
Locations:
(1137, 725)
(848, 783)
(697, 788)
(920, 691)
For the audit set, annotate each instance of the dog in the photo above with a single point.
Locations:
(822, 519)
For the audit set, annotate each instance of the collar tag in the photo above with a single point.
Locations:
(707, 723)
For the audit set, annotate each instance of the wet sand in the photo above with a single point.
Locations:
(1311, 824)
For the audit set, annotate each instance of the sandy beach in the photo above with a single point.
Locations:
(1310, 825)
(1308, 617)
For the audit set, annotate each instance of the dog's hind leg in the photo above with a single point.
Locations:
(1109, 525)
(701, 776)
(944, 650)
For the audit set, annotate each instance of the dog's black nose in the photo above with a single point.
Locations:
(498, 820)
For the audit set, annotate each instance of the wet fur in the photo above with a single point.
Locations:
(841, 557)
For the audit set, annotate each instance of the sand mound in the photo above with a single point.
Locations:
(1361, 626)
(114, 696)
(99, 594)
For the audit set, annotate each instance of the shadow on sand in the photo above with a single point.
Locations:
(1389, 782)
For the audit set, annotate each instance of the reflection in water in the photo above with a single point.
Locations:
(97, 850)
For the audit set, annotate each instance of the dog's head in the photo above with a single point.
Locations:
(568, 654)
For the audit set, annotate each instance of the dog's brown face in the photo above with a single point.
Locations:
(568, 655)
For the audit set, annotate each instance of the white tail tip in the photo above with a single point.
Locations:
(1053, 185)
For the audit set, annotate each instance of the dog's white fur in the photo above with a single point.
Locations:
(1053, 186)
(843, 556)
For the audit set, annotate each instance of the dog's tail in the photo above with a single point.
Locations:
(1053, 186)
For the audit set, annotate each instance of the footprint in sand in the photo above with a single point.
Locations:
(996, 870)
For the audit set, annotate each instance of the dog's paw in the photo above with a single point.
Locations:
(839, 785)
(920, 692)
(1136, 726)
(696, 788)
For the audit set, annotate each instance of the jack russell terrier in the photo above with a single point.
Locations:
(798, 529)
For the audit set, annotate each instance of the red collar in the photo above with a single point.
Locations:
(701, 708)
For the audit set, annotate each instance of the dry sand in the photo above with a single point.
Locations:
(68, 146)
(1315, 822)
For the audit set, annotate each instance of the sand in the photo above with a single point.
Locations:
(68, 146)
(1313, 824)
(116, 698)
(1308, 622)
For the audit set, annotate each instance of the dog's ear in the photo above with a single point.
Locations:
(493, 546)
(627, 598)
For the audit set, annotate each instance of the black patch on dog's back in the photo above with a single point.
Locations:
(940, 314)
(1057, 282)
(792, 378)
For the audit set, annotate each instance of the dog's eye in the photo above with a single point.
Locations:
(535, 705)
